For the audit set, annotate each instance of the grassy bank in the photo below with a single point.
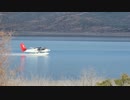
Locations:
(45, 82)
(84, 80)
(87, 78)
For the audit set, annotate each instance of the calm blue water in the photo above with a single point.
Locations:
(109, 57)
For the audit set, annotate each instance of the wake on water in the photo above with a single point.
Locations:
(26, 54)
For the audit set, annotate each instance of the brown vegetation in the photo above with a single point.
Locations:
(4, 50)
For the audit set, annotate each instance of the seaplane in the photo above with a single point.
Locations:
(34, 50)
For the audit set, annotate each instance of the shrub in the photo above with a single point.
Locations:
(104, 83)
(123, 81)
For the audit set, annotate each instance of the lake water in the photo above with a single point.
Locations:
(70, 56)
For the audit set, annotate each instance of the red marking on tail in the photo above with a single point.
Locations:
(22, 46)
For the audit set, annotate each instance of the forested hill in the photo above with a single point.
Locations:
(67, 23)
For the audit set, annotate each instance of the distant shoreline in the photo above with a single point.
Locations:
(70, 36)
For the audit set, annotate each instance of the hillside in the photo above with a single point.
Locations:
(66, 23)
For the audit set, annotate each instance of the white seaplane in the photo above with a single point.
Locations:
(34, 50)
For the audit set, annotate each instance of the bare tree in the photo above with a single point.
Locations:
(4, 57)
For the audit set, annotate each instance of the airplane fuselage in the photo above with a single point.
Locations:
(35, 50)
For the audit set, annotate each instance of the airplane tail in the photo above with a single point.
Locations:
(22, 46)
